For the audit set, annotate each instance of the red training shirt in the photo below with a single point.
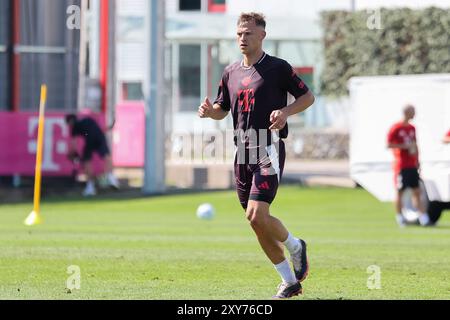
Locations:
(401, 133)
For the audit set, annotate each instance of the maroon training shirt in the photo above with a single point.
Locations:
(253, 93)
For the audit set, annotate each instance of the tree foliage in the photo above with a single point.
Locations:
(408, 42)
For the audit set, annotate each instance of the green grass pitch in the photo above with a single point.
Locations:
(156, 248)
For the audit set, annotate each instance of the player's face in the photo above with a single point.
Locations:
(410, 113)
(250, 37)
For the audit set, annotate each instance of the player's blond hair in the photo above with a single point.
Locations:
(258, 18)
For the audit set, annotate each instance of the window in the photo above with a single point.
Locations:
(4, 22)
(190, 76)
(48, 54)
(132, 91)
(4, 74)
(4, 82)
(217, 5)
(190, 5)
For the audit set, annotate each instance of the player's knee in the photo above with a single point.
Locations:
(257, 217)
(257, 222)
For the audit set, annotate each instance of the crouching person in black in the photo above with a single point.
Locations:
(95, 141)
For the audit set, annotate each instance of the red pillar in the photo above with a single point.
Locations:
(104, 51)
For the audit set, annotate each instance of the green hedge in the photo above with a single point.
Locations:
(410, 42)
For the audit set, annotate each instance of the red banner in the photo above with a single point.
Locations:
(129, 135)
(18, 145)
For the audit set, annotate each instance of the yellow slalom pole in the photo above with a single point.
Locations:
(35, 217)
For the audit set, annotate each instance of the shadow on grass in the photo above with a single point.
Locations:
(73, 193)
(25, 195)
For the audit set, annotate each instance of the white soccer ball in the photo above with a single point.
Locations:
(205, 212)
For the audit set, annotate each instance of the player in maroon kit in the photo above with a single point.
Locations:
(255, 91)
(402, 139)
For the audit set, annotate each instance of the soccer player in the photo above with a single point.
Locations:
(255, 91)
(95, 141)
(402, 139)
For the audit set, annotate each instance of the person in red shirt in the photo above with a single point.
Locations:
(447, 138)
(402, 140)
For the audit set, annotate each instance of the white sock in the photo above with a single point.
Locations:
(400, 219)
(424, 219)
(286, 273)
(292, 244)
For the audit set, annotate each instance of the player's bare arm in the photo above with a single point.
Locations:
(447, 140)
(403, 146)
(279, 118)
(208, 110)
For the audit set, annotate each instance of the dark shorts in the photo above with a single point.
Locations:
(99, 146)
(408, 178)
(258, 177)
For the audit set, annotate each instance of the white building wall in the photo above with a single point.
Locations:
(131, 7)
(171, 7)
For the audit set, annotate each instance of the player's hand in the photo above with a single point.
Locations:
(404, 146)
(278, 119)
(413, 148)
(73, 155)
(205, 110)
